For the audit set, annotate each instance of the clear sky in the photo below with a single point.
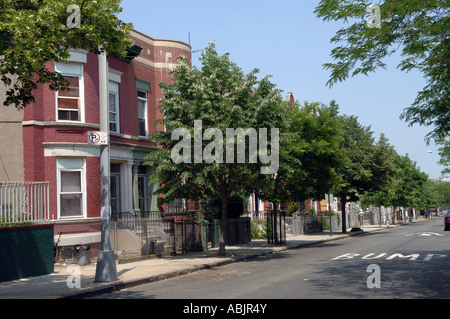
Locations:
(286, 40)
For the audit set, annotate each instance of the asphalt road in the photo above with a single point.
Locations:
(406, 262)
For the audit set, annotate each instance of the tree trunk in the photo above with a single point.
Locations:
(344, 217)
(223, 222)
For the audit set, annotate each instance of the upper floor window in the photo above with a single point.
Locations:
(114, 107)
(115, 78)
(70, 102)
(142, 113)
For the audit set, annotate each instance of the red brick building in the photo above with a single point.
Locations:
(51, 139)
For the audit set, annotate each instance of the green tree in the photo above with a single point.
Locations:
(222, 97)
(364, 167)
(443, 189)
(308, 154)
(383, 172)
(430, 197)
(408, 183)
(420, 29)
(34, 32)
(312, 150)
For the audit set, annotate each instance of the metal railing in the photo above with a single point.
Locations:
(23, 202)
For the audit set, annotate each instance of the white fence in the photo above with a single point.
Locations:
(22, 202)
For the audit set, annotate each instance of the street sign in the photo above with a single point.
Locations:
(98, 138)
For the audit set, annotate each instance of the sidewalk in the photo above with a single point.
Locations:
(54, 286)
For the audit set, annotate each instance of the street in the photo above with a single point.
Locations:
(406, 262)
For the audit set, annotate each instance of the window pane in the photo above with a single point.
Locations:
(71, 104)
(142, 130)
(142, 94)
(70, 182)
(74, 81)
(112, 119)
(112, 127)
(74, 87)
(71, 205)
(68, 115)
(141, 110)
(112, 102)
(70, 92)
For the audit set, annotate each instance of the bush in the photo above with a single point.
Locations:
(258, 229)
(17, 222)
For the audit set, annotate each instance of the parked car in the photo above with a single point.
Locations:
(447, 221)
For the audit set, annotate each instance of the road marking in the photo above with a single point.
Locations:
(425, 234)
(391, 257)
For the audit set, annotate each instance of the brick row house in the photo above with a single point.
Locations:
(48, 140)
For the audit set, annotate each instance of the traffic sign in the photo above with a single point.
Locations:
(98, 138)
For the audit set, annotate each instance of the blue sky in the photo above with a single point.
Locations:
(286, 40)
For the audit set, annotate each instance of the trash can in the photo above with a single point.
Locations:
(83, 255)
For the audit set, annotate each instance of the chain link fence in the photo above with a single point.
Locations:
(69, 236)
(308, 224)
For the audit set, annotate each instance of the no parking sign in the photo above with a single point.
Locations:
(98, 138)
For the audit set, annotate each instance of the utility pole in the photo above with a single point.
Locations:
(106, 270)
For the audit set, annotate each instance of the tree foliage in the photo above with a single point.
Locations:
(365, 167)
(420, 30)
(222, 97)
(34, 32)
(444, 152)
(383, 172)
(311, 152)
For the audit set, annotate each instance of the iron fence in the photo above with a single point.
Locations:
(180, 230)
(142, 237)
(22, 202)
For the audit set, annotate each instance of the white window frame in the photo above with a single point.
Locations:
(72, 165)
(145, 113)
(74, 70)
(114, 89)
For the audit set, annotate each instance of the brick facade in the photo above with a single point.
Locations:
(49, 145)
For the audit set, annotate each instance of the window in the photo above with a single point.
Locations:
(69, 103)
(142, 113)
(115, 188)
(143, 196)
(114, 107)
(71, 194)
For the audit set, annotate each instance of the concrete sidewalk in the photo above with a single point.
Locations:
(151, 270)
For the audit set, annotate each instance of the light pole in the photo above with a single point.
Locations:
(106, 264)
